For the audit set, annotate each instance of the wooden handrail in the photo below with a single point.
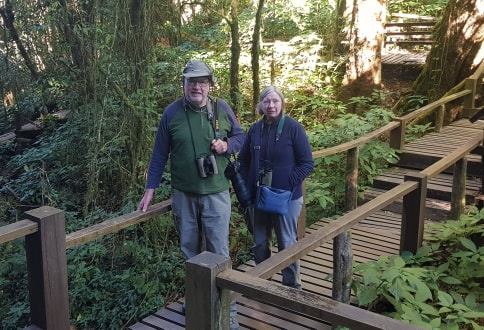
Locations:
(431, 106)
(287, 256)
(355, 143)
(451, 158)
(17, 230)
(479, 72)
(114, 225)
(308, 303)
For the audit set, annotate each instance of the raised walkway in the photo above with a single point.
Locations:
(377, 235)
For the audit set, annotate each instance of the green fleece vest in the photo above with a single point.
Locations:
(184, 172)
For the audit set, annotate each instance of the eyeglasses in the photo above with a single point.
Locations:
(204, 82)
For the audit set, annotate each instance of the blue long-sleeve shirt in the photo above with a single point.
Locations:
(174, 140)
(290, 158)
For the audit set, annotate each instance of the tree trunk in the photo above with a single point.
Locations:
(235, 55)
(336, 47)
(457, 49)
(255, 56)
(8, 20)
(363, 70)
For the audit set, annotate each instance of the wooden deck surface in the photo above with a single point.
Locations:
(375, 236)
(417, 59)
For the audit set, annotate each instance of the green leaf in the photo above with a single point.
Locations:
(444, 310)
(445, 299)
(451, 280)
(422, 291)
(398, 262)
(473, 315)
(470, 300)
(428, 309)
(435, 323)
(370, 276)
(468, 244)
(367, 295)
(390, 274)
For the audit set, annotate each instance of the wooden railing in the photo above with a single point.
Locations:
(208, 282)
(407, 29)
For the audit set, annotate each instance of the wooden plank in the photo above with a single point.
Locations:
(451, 158)
(171, 316)
(407, 24)
(140, 326)
(115, 225)
(283, 314)
(17, 230)
(306, 303)
(355, 143)
(159, 323)
(310, 242)
(267, 318)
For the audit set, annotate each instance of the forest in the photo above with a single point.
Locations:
(84, 83)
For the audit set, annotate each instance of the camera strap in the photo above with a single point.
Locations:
(212, 115)
(212, 112)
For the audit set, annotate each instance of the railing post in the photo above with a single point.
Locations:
(207, 307)
(47, 269)
(469, 100)
(458, 198)
(439, 118)
(413, 214)
(301, 221)
(397, 135)
(342, 253)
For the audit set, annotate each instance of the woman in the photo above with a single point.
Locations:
(285, 160)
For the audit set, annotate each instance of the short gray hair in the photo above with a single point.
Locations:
(267, 91)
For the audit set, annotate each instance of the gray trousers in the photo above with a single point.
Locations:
(285, 228)
(202, 218)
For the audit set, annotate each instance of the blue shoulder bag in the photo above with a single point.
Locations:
(269, 199)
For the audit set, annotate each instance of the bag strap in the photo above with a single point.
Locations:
(258, 142)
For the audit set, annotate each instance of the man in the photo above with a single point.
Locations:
(197, 132)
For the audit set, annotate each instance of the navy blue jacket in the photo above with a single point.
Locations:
(290, 158)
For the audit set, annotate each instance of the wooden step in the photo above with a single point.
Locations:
(421, 159)
(434, 209)
(439, 187)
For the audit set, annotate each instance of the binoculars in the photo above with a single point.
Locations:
(206, 165)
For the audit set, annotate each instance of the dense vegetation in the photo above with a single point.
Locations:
(114, 65)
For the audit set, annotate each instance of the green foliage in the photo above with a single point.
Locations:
(326, 187)
(415, 131)
(418, 7)
(279, 22)
(437, 288)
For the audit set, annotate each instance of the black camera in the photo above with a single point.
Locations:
(238, 183)
(207, 165)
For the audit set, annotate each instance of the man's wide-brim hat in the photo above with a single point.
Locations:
(197, 69)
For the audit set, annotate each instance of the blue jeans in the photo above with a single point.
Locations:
(285, 228)
(202, 217)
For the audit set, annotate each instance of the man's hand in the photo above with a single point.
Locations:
(219, 146)
(146, 200)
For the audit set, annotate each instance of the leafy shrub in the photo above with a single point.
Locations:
(326, 187)
(440, 287)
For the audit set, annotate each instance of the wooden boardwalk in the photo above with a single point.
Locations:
(375, 236)
(404, 58)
